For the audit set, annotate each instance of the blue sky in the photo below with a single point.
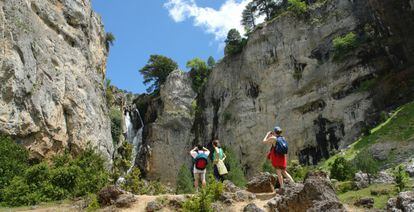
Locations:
(179, 29)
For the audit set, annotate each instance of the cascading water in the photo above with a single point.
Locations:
(133, 136)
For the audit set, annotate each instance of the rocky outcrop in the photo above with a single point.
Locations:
(263, 183)
(52, 70)
(287, 75)
(167, 136)
(316, 194)
(404, 202)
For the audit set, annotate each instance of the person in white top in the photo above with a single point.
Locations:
(199, 152)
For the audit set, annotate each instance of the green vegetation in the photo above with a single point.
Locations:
(297, 171)
(184, 181)
(116, 124)
(401, 178)
(236, 173)
(199, 72)
(234, 43)
(109, 40)
(380, 192)
(122, 161)
(342, 169)
(134, 184)
(249, 15)
(156, 71)
(345, 186)
(366, 163)
(108, 93)
(345, 44)
(399, 127)
(211, 62)
(226, 116)
(202, 201)
(298, 7)
(65, 177)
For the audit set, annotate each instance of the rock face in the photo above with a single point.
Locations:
(52, 69)
(404, 202)
(167, 133)
(263, 183)
(316, 194)
(287, 75)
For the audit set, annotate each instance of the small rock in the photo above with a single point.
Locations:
(227, 198)
(391, 204)
(177, 201)
(108, 195)
(217, 207)
(241, 196)
(361, 180)
(252, 208)
(274, 202)
(409, 167)
(153, 206)
(383, 177)
(230, 187)
(405, 201)
(366, 202)
(263, 183)
(125, 200)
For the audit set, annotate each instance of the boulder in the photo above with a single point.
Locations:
(383, 177)
(316, 194)
(108, 195)
(263, 183)
(242, 195)
(230, 187)
(366, 202)
(125, 200)
(153, 206)
(361, 180)
(403, 202)
(252, 208)
(409, 167)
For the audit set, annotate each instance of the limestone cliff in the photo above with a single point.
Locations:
(286, 75)
(52, 69)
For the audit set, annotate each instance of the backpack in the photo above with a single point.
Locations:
(201, 161)
(281, 146)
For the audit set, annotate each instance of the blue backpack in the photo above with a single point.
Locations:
(281, 146)
(201, 161)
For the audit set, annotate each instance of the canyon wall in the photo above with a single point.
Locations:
(52, 71)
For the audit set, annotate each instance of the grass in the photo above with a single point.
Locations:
(399, 127)
(380, 200)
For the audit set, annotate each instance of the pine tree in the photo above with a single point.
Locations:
(156, 71)
(211, 62)
(249, 16)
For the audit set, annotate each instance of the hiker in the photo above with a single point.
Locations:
(278, 154)
(220, 169)
(200, 157)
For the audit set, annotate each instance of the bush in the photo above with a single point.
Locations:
(297, 6)
(366, 163)
(134, 184)
(116, 124)
(236, 173)
(93, 203)
(401, 178)
(297, 171)
(202, 201)
(234, 43)
(342, 187)
(267, 167)
(184, 181)
(13, 161)
(341, 169)
(65, 177)
(343, 45)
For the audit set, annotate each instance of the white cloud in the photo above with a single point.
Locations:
(216, 22)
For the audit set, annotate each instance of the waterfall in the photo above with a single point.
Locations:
(134, 137)
(134, 127)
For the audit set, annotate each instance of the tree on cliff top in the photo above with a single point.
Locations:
(234, 42)
(199, 72)
(156, 71)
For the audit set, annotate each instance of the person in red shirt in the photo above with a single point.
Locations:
(279, 161)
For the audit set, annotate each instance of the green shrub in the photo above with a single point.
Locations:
(341, 169)
(343, 45)
(364, 162)
(184, 181)
(134, 184)
(202, 200)
(297, 6)
(236, 173)
(342, 187)
(93, 203)
(267, 167)
(13, 161)
(401, 178)
(65, 177)
(116, 124)
(297, 171)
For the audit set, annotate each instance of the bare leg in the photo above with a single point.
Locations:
(287, 175)
(196, 176)
(203, 179)
(279, 177)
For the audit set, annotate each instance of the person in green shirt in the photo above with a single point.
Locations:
(218, 156)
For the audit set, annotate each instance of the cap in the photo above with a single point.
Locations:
(278, 129)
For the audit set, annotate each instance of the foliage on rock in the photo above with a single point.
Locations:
(205, 197)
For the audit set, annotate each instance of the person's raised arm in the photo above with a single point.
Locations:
(207, 151)
(267, 139)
